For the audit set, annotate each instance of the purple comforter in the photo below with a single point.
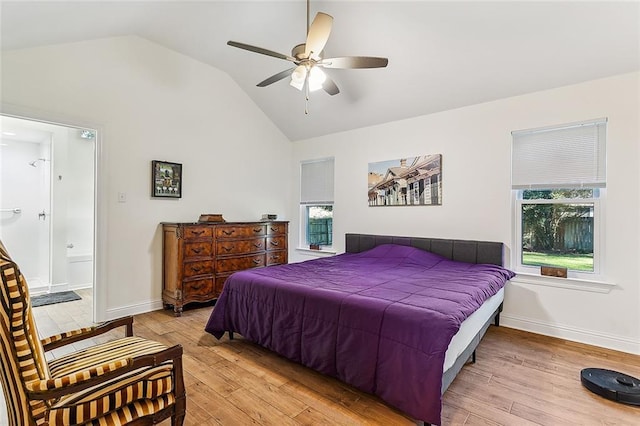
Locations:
(380, 320)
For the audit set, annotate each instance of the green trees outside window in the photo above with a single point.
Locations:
(558, 228)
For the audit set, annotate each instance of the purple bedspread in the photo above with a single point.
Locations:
(380, 320)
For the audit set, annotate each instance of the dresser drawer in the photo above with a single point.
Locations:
(252, 245)
(241, 231)
(192, 269)
(276, 228)
(199, 249)
(220, 284)
(276, 243)
(276, 257)
(192, 232)
(203, 287)
(239, 263)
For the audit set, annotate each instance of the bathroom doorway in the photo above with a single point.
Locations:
(47, 203)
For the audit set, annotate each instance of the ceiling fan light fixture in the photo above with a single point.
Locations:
(309, 59)
(316, 79)
(298, 77)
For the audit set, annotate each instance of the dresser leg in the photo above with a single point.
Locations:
(177, 310)
(231, 335)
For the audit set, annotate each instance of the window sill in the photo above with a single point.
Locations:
(568, 283)
(328, 251)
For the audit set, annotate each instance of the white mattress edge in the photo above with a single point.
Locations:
(470, 327)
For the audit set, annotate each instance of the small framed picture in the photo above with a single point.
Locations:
(166, 179)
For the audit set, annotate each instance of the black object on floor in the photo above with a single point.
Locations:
(612, 385)
(53, 298)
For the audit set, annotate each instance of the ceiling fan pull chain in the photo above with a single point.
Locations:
(306, 96)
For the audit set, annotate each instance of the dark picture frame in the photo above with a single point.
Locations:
(166, 179)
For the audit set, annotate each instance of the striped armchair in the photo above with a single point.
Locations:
(126, 381)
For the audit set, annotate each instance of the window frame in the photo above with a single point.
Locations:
(598, 240)
(324, 196)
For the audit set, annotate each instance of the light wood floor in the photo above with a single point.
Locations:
(519, 379)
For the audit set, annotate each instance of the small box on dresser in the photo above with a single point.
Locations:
(199, 257)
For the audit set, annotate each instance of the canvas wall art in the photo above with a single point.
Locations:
(166, 179)
(411, 181)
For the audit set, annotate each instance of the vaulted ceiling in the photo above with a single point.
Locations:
(442, 55)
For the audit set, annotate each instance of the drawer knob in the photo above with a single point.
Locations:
(274, 243)
(256, 230)
(257, 245)
(197, 232)
(227, 249)
(197, 250)
(228, 232)
(274, 229)
(196, 268)
(257, 261)
(197, 286)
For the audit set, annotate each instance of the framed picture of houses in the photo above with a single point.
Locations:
(411, 181)
(166, 179)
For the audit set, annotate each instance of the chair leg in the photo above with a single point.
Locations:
(177, 419)
(181, 399)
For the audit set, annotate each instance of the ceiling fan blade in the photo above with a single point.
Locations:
(261, 50)
(276, 77)
(354, 62)
(318, 35)
(330, 87)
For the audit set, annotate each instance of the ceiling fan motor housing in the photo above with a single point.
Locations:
(298, 51)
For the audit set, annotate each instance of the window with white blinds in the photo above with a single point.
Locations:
(316, 204)
(558, 176)
(568, 156)
(316, 182)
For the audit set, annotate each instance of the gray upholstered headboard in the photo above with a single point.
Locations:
(459, 250)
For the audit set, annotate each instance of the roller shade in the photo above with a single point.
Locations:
(316, 182)
(569, 156)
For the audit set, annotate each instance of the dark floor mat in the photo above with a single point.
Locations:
(53, 298)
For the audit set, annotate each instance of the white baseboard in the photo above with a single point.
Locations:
(35, 291)
(80, 286)
(55, 288)
(609, 341)
(139, 308)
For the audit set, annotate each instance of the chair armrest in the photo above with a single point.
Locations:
(69, 337)
(60, 386)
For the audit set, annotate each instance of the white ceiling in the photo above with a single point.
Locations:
(442, 55)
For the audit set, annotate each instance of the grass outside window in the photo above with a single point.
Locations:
(571, 261)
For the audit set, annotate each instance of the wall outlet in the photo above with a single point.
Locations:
(122, 197)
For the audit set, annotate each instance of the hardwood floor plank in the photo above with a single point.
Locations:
(475, 406)
(258, 409)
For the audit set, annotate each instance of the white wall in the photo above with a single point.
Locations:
(152, 103)
(78, 178)
(475, 144)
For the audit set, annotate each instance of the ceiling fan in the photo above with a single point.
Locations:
(309, 61)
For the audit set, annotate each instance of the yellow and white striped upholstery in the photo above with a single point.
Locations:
(120, 400)
(22, 353)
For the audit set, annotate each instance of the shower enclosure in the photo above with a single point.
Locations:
(47, 202)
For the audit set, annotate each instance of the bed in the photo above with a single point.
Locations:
(394, 316)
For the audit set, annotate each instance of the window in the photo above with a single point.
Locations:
(316, 203)
(559, 176)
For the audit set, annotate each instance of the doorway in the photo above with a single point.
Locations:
(47, 199)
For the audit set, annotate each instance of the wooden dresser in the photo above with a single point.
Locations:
(198, 257)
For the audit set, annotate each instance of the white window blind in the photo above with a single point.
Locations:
(316, 182)
(569, 156)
